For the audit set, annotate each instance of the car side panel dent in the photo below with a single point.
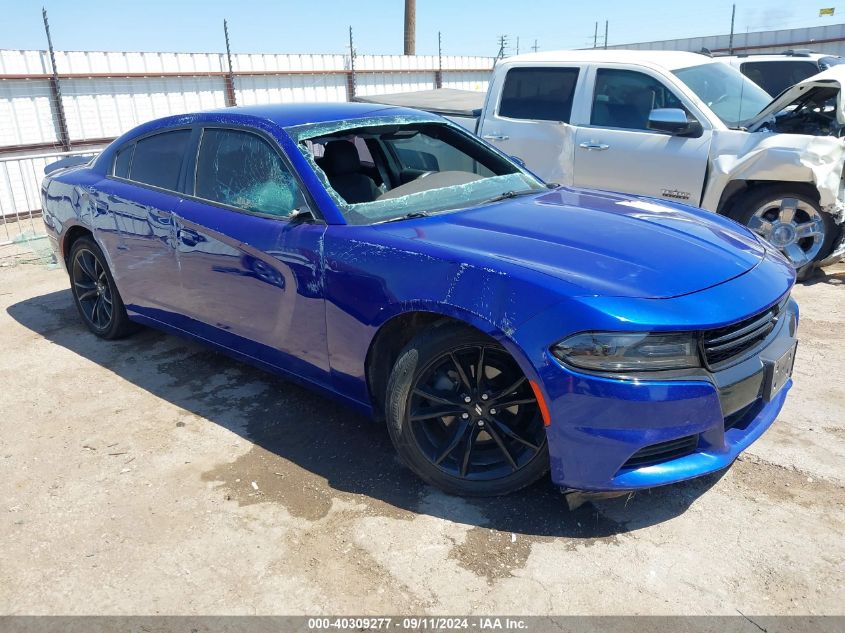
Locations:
(369, 283)
(815, 160)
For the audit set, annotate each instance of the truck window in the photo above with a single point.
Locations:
(539, 94)
(775, 77)
(624, 99)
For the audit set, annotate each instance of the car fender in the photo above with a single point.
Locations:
(502, 331)
(760, 156)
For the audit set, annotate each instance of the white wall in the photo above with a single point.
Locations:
(98, 107)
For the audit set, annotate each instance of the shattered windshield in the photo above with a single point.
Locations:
(391, 169)
(731, 95)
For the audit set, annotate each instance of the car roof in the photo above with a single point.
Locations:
(796, 57)
(290, 114)
(669, 60)
(284, 115)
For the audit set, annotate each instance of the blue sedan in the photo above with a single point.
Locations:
(502, 327)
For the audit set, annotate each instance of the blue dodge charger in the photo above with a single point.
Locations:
(501, 326)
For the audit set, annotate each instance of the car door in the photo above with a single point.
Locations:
(251, 276)
(138, 199)
(615, 150)
(530, 117)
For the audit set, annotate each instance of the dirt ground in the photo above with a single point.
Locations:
(152, 476)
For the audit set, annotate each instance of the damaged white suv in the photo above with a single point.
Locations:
(682, 126)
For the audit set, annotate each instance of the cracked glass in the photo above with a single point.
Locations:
(242, 170)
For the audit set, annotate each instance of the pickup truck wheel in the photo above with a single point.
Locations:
(95, 293)
(791, 221)
(462, 415)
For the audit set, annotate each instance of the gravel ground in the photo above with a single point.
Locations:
(152, 476)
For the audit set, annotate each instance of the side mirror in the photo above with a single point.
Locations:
(518, 161)
(301, 216)
(673, 121)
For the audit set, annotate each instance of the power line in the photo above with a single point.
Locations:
(503, 44)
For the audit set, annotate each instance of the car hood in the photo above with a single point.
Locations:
(602, 243)
(833, 76)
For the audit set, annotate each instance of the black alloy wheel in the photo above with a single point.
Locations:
(470, 421)
(91, 287)
(94, 291)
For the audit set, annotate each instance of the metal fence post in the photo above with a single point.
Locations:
(438, 75)
(56, 89)
(350, 78)
(229, 79)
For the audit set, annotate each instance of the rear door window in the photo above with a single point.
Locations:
(775, 77)
(625, 98)
(539, 94)
(122, 161)
(158, 159)
(242, 170)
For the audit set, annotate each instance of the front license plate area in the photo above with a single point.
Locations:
(778, 373)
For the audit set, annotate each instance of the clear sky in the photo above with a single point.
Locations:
(469, 27)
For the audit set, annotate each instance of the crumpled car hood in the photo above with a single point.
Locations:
(833, 76)
(603, 243)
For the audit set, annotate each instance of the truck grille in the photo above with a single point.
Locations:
(725, 343)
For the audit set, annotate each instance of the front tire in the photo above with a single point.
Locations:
(94, 291)
(791, 220)
(462, 415)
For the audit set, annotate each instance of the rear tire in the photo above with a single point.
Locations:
(94, 292)
(790, 218)
(467, 432)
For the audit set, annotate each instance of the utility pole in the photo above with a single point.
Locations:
(605, 35)
(535, 48)
(517, 44)
(56, 89)
(410, 27)
(596, 36)
(503, 42)
(230, 78)
(731, 39)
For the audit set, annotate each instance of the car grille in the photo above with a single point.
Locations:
(663, 451)
(725, 343)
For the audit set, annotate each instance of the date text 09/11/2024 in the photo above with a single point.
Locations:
(419, 623)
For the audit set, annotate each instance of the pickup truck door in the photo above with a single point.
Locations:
(615, 150)
(527, 116)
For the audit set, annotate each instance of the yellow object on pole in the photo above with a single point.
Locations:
(828, 11)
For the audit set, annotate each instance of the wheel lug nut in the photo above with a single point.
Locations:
(492, 411)
(481, 423)
(465, 416)
(484, 396)
(467, 399)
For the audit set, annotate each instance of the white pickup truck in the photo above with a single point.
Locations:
(672, 125)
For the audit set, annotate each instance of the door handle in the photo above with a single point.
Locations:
(495, 137)
(599, 147)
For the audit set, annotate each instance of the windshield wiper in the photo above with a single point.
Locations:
(408, 216)
(510, 194)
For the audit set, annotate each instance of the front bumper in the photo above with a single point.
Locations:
(626, 433)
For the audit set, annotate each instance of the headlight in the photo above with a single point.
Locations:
(619, 352)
